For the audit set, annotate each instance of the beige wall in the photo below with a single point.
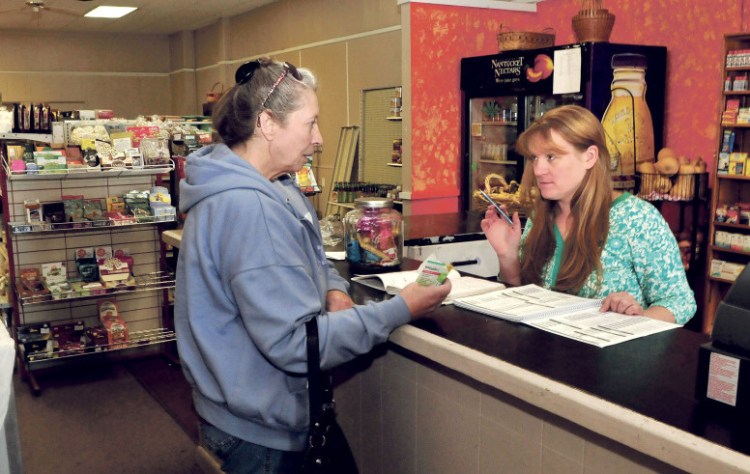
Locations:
(351, 46)
(126, 73)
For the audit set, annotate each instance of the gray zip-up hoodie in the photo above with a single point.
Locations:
(251, 271)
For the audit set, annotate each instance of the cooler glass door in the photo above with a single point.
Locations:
(535, 106)
(493, 125)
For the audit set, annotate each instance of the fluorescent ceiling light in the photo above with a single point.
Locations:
(110, 12)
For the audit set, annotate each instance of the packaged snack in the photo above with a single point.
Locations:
(73, 205)
(54, 212)
(69, 338)
(97, 338)
(54, 273)
(113, 270)
(33, 211)
(31, 287)
(117, 330)
(93, 209)
(433, 272)
(36, 341)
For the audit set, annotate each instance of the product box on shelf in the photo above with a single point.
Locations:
(77, 289)
(103, 252)
(723, 163)
(155, 151)
(51, 161)
(123, 254)
(163, 211)
(141, 132)
(115, 203)
(93, 210)
(117, 330)
(722, 239)
(31, 287)
(97, 338)
(36, 340)
(737, 163)
(54, 212)
(87, 266)
(137, 203)
(73, 206)
(120, 218)
(54, 273)
(33, 210)
(69, 338)
(113, 270)
(86, 114)
(74, 160)
(60, 291)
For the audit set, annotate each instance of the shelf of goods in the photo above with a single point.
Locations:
(729, 228)
(141, 300)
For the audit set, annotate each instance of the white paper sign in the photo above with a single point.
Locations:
(567, 76)
(723, 376)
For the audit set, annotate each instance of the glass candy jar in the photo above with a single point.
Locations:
(372, 234)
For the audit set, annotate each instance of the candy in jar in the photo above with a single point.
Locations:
(372, 233)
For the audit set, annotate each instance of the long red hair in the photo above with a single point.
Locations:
(589, 206)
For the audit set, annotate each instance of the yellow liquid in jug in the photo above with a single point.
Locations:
(619, 119)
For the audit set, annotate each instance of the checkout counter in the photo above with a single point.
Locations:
(462, 392)
(453, 238)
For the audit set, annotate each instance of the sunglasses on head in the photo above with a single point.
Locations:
(246, 71)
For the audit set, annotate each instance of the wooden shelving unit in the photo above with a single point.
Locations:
(727, 189)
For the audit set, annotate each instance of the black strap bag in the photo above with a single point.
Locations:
(328, 452)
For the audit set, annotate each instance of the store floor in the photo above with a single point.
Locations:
(125, 417)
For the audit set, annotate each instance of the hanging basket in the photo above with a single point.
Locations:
(214, 95)
(593, 25)
(511, 40)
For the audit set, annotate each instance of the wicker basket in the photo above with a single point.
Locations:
(680, 187)
(510, 40)
(508, 195)
(593, 25)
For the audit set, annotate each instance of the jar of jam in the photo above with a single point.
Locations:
(372, 234)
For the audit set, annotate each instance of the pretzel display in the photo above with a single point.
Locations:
(502, 192)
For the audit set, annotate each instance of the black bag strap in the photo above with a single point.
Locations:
(319, 382)
(313, 369)
(328, 451)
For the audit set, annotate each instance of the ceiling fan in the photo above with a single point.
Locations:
(38, 6)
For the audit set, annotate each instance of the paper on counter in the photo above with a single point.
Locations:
(336, 255)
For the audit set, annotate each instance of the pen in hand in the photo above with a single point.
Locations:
(500, 211)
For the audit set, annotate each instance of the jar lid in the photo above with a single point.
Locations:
(373, 202)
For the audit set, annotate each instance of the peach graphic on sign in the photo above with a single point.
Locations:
(542, 69)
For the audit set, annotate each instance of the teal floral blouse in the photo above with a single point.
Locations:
(641, 257)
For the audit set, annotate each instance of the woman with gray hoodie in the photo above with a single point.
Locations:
(252, 270)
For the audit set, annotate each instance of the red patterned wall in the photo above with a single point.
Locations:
(692, 31)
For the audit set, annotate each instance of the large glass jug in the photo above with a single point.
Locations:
(372, 234)
(627, 121)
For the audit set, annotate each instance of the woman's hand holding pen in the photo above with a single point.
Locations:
(505, 239)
